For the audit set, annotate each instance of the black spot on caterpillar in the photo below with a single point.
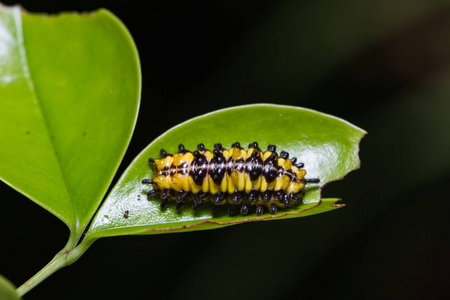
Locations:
(236, 177)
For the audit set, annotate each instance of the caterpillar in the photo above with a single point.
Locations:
(235, 177)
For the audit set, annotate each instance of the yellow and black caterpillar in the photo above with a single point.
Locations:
(235, 177)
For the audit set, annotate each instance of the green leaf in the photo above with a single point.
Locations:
(7, 290)
(70, 88)
(327, 145)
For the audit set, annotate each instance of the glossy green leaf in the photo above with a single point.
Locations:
(7, 290)
(327, 145)
(70, 88)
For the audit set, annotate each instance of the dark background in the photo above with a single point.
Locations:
(382, 65)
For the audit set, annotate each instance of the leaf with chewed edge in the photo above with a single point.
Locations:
(328, 146)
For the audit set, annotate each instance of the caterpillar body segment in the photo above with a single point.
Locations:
(237, 177)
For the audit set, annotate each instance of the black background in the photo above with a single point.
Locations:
(382, 65)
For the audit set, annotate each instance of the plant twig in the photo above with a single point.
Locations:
(62, 259)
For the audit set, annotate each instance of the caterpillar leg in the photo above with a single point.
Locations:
(231, 210)
(164, 203)
(260, 210)
(179, 205)
(293, 200)
(198, 199)
(218, 199)
(236, 197)
(244, 209)
(151, 193)
(165, 194)
(146, 181)
(273, 208)
(181, 198)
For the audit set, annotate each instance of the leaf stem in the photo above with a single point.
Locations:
(54, 265)
(62, 259)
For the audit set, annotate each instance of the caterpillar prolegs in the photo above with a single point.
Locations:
(236, 177)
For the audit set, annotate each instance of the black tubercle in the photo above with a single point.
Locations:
(266, 195)
(271, 148)
(182, 149)
(201, 148)
(252, 196)
(284, 154)
(164, 153)
(236, 145)
(279, 195)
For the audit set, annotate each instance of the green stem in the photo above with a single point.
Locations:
(54, 265)
(62, 259)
